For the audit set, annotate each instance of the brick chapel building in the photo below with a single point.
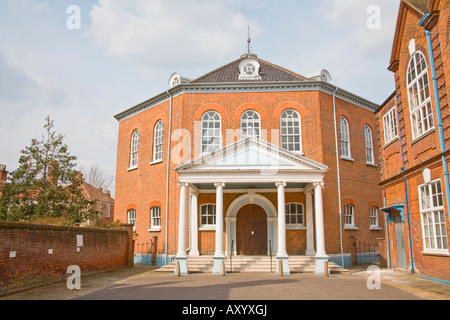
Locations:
(250, 159)
(414, 141)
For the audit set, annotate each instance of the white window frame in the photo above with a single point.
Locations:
(132, 218)
(298, 214)
(250, 122)
(155, 219)
(390, 126)
(291, 131)
(346, 152)
(134, 154)
(158, 142)
(419, 96)
(208, 211)
(374, 218)
(432, 211)
(349, 217)
(368, 137)
(210, 133)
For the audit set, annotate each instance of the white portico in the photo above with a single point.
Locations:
(251, 168)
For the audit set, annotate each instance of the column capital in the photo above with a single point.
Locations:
(183, 184)
(309, 192)
(194, 192)
(279, 184)
(317, 184)
(219, 184)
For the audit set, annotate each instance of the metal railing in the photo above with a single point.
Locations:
(366, 253)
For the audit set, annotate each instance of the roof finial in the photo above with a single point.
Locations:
(249, 40)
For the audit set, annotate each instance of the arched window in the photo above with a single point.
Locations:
(155, 218)
(294, 214)
(419, 96)
(374, 217)
(349, 215)
(134, 150)
(158, 141)
(345, 138)
(251, 124)
(211, 132)
(132, 218)
(370, 159)
(291, 134)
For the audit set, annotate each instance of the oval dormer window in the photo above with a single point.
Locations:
(249, 70)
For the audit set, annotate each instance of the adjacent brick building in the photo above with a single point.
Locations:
(239, 160)
(414, 141)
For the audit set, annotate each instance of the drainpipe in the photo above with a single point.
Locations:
(338, 175)
(438, 113)
(168, 178)
(405, 183)
(387, 233)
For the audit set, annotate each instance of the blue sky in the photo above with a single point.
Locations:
(126, 50)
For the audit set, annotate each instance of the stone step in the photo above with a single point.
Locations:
(242, 264)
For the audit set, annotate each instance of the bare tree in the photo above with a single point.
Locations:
(98, 178)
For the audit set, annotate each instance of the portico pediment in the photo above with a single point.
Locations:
(255, 157)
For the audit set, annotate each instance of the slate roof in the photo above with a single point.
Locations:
(269, 73)
(420, 5)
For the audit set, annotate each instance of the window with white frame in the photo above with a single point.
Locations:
(419, 96)
(345, 138)
(368, 137)
(211, 132)
(250, 124)
(155, 218)
(208, 214)
(349, 215)
(294, 214)
(291, 132)
(158, 141)
(390, 126)
(374, 217)
(134, 149)
(432, 210)
(132, 218)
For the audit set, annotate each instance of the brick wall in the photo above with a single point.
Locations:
(25, 260)
(424, 152)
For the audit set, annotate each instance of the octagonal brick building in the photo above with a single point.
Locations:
(250, 159)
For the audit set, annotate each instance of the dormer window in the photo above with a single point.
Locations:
(249, 70)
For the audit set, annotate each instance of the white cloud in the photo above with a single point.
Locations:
(151, 33)
(352, 17)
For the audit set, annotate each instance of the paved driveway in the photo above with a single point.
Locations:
(141, 283)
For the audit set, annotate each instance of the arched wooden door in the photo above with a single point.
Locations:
(251, 231)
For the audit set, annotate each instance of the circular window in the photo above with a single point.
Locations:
(249, 69)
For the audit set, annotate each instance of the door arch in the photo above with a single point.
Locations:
(251, 230)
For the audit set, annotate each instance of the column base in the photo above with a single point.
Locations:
(320, 265)
(194, 253)
(219, 266)
(285, 261)
(183, 265)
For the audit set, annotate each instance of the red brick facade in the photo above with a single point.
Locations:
(405, 158)
(139, 188)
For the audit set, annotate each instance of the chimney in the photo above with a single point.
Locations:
(3, 173)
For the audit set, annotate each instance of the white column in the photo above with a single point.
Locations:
(321, 255)
(194, 224)
(181, 256)
(310, 251)
(219, 256)
(282, 252)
